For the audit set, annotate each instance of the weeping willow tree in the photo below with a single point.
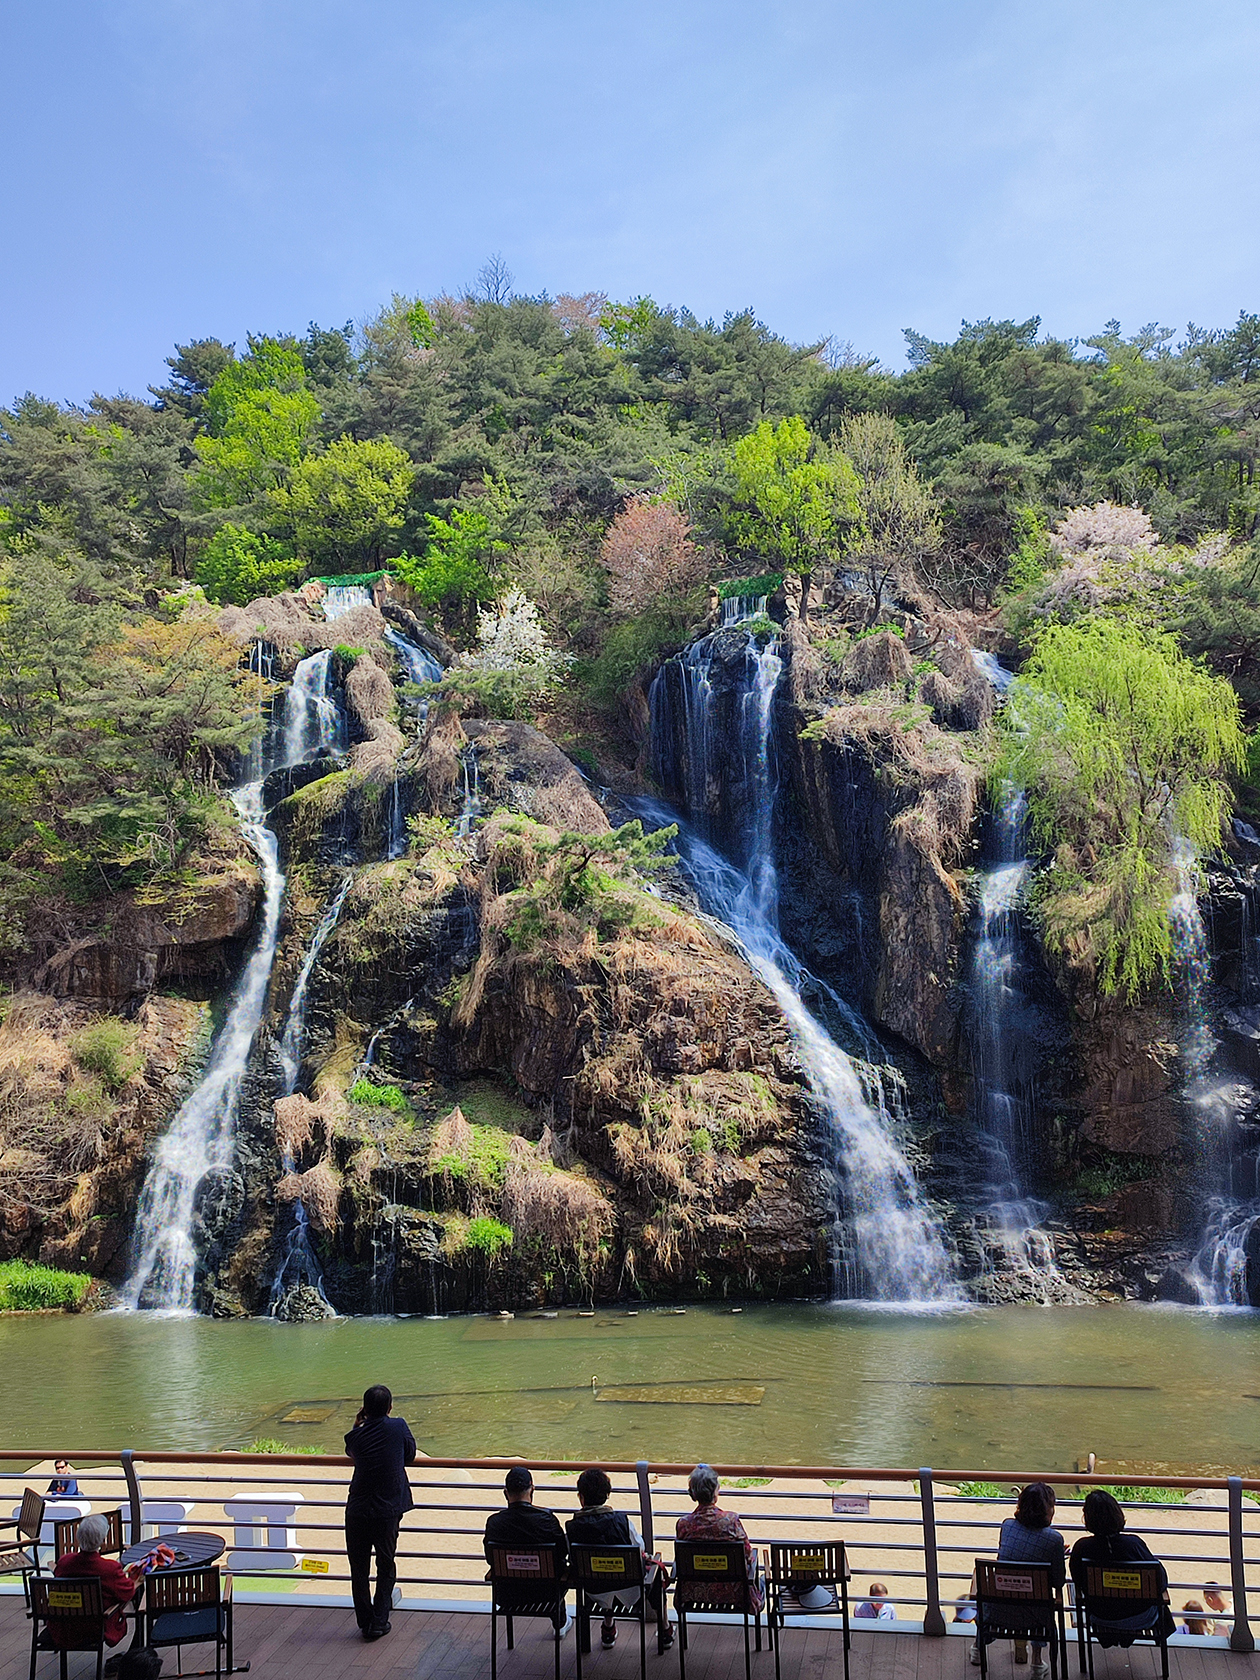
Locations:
(1122, 745)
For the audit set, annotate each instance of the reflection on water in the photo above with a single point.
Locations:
(1007, 1387)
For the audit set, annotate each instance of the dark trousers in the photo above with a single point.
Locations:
(369, 1531)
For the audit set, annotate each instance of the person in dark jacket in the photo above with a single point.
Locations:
(525, 1524)
(63, 1484)
(597, 1524)
(382, 1447)
(1106, 1542)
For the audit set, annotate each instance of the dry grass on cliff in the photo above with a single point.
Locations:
(319, 1191)
(289, 624)
(552, 1211)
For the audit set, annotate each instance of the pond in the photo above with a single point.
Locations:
(978, 1388)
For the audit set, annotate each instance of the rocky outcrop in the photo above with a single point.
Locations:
(191, 933)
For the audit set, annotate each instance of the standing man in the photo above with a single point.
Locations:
(382, 1447)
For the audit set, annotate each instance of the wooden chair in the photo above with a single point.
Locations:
(1018, 1601)
(525, 1581)
(794, 1569)
(66, 1534)
(190, 1607)
(711, 1576)
(75, 1605)
(610, 1569)
(1114, 1593)
(27, 1527)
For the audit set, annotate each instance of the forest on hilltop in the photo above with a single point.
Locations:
(558, 481)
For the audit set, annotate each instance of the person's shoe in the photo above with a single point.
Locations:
(1021, 1650)
(1039, 1671)
(664, 1640)
(378, 1631)
(608, 1635)
(973, 1656)
(568, 1622)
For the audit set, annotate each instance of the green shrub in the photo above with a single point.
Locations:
(983, 1490)
(487, 1236)
(347, 655)
(106, 1047)
(483, 1164)
(880, 630)
(1149, 1495)
(28, 1288)
(737, 588)
(269, 1444)
(369, 1095)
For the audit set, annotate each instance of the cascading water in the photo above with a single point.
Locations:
(420, 667)
(887, 1246)
(342, 598)
(1225, 1270)
(200, 1144)
(471, 808)
(298, 1265)
(1004, 1063)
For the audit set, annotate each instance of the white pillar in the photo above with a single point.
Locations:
(264, 1530)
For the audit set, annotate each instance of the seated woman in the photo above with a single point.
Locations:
(709, 1522)
(118, 1585)
(1106, 1542)
(1028, 1537)
(1193, 1619)
(597, 1524)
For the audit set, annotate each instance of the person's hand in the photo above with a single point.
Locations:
(132, 1569)
(358, 1418)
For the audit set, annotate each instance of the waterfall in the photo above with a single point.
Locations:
(311, 719)
(201, 1140)
(1004, 1059)
(344, 597)
(471, 808)
(887, 1245)
(420, 667)
(738, 609)
(298, 1264)
(1227, 1260)
(200, 1143)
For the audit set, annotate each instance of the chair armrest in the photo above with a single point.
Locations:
(650, 1572)
(226, 1586)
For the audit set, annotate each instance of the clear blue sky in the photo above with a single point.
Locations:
(189, 168)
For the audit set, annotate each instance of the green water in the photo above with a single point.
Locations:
(1004, 1387)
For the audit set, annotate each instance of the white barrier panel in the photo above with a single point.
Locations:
(158, 1516)
(264, 1531)
(58, 1510)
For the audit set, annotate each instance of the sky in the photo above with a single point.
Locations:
(181, 169)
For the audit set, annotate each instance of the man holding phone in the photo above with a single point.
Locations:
(382, 1447)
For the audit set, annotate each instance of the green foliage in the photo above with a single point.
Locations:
(738, 588)
(371, 1095)
(983, 1490)
(880, 630)
(346, 504)
(481, 1163)
(28, 1288)
(107, 1047)
(794, 500)
(352, 580)
(634, 646)
(238, 565)
(591, 880)
(1121, 744)
(487, 1236)
(261, 418)
(272, 1444)
(1148, 1495)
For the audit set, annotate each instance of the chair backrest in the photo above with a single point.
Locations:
(606, 1568)
(1121, 1589)
(709, 1561)
(1014, 1583)
(68, 1598)
(181, 1589)
(31, 1516)
(808, 1565)
(66, 1534)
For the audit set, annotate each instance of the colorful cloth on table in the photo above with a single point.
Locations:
(709, 1522)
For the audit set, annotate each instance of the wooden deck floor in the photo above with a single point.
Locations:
(316, 1644)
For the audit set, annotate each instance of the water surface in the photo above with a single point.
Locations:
(1008, 1387)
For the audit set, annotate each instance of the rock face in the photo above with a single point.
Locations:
(187, 934)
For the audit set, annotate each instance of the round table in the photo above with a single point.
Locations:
(193, 1550)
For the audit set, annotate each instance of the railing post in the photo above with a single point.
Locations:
(645, 1506)
(933, 1621)
(1241, 1637)
(133, 1495)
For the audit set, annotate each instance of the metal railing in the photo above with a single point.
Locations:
(911, 1529)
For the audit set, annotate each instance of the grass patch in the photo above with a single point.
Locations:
(736, 588)
(28, 1288)
(106, 1047)
(751, 1481)
(369, 1095)
(477, 1156)
(1149, 1495)
(487, 1236)
(270, 1444)
(983, 1490)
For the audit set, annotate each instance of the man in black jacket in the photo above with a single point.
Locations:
(381, 1447)
(597, 1524)
(525, 1524)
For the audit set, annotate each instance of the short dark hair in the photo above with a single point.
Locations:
(594, 1487)
(142, 1664)
(517, 1480)
(1035, 1505)
(377, 1400)
(1102, 1512)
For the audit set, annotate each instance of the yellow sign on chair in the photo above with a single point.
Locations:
(608, 1566)
(64, 1598)
(709, 1560)
(808, 1560)
(1121, 1580)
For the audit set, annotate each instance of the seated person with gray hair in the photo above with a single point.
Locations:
(709, 1522)
(118, 1584)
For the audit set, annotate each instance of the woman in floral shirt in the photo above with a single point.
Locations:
(709, 1522)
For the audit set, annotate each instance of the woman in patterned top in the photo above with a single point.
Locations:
(1028, 1537)
(709, 1522)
